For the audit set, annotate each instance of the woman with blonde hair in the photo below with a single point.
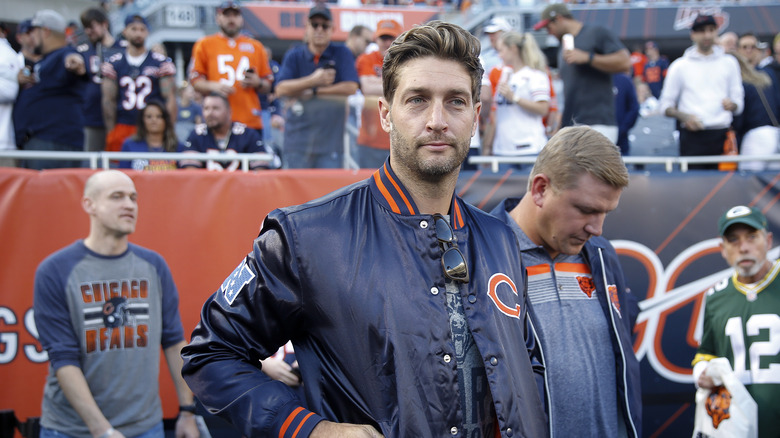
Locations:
(757, 128)
(521, 98)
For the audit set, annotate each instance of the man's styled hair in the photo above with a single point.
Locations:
(435, 39)
(575, 150)
(93, 15)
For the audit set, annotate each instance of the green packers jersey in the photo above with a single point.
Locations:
(742, 323)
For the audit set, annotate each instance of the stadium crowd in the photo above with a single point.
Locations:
(302, 108)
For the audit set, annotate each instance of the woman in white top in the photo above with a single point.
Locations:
(522, 98)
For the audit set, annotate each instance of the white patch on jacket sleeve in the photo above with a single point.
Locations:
(240, 277)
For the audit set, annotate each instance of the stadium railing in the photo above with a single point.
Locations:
(103, 160)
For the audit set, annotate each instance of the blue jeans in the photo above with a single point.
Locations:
(38, 144)
(156, 431)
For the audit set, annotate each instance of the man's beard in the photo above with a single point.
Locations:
(428, 170)
(38, 50)
(749, 272)
(230, 32)
(138, 44)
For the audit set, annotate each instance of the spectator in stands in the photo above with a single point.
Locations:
(100, 48)
(130, 79)
(655, 69)
(490, 60)
(703, 108)
(747, 48)
(521, 98)
(154, 133)
(728, 42)
(26, 44)
(219, 135)
(757, 127)
(10, 64)
(638, 61)
(25, 78)
(190, 110)
(54, 103)
(373, 143)
(586, 69)
(233, 65)
(317, 77)
(493, 29)
(626, 108)
(358, 39)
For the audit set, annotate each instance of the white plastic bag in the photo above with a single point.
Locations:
(727, 410)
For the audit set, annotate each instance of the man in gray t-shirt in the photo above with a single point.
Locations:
(104, 308)
(589, 56)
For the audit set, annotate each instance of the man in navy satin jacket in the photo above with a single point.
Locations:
(406, 305)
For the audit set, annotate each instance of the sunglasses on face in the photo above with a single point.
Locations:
(319, 25)
(452, 261)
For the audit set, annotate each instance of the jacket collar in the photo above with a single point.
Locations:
(388, 189)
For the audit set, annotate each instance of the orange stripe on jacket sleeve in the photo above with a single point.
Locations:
(398, 189)
(538, 269)
(288, 421)
(385, 193)
(579, 268)
(295, 434)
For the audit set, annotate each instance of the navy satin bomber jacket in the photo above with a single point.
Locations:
(355, 280)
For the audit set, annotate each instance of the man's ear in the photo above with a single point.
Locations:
(540, 187)
(477, 109)
(88, 205)
(384, 115)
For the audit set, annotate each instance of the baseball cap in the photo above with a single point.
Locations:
(136, 18)
(497, 24)
(550, 13)
(742, 214)
(651, 45)
(229, 5)
(388, 28)
(49, 19)
(703, 20)
(322, 11)
(24, 26)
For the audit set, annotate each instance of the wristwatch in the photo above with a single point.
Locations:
(187, 408)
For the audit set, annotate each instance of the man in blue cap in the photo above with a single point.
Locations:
(317, 77)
